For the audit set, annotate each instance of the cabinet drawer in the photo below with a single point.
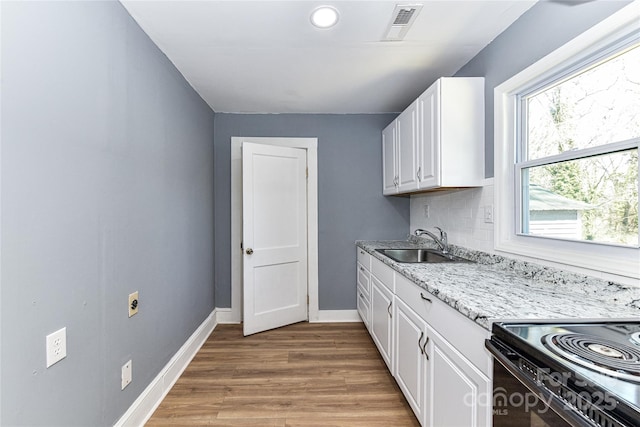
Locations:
(383, 273)
(363, 307)
(364, 258)
(363, 293)
(364, 280)
(463, 333)
(420, 301)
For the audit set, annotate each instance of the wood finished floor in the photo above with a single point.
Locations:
(303, 375)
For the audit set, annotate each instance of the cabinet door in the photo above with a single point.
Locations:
(381, 319)
(410, 338)
(389, 161)
(406, 137)
(458, 393)
(428, 141)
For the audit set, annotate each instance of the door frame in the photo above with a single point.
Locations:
(311, 146)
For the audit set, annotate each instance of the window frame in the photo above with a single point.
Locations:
(616, 262)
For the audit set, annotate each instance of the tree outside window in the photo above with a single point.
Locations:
(579, 150)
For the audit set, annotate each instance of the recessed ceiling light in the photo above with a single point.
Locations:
(324, 17)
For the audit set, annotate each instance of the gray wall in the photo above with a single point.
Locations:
(542, 29)
(350, 201)
(107, 188)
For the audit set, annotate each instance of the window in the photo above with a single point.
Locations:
(567, 135)
(577, 154)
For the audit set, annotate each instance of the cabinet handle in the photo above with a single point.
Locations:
(361, 252)
(361, 269)
(389, 309)
(424, 348)
(420, 342)
(361, 296)
(424, 298)
(418, 173)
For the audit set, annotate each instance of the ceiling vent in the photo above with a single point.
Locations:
(402, 19)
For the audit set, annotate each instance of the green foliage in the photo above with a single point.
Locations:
(609, 183)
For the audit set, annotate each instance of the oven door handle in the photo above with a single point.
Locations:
(562, 409)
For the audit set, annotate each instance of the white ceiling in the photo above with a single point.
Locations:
(266, 57)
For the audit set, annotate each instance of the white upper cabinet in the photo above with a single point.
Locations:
(389, 163)
(439, 139)
(407, 148)
(428, 158)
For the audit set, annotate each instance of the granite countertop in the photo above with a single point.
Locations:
(497, 288)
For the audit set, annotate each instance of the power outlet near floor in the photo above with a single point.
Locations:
(133, 303)
(126, 374)
(56, 346)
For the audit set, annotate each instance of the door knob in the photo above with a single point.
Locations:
(249, 251)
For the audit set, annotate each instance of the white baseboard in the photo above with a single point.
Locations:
(227, 315)
(333, 316)
(144, 406)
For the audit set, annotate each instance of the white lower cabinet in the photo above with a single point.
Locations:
(459, 394)
(381, 327)
(442, 387)
(410, 362)
(446, 381)
(363, 297)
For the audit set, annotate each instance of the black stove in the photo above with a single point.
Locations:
(587, 372)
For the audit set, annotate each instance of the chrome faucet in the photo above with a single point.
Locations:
(441, 241)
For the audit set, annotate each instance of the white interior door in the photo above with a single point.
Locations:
(274, 199)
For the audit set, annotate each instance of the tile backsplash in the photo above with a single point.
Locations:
(461, 213)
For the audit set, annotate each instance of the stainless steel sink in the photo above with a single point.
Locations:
(420, 256)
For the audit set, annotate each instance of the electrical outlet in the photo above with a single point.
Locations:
(133, 303)
(56, 346)
(488, 214)
(426, 211)
(126, 374)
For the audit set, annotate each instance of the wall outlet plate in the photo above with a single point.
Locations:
(488, 214)
(126, 374)
(133, 303)
(56, 346)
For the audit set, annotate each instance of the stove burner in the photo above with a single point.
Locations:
(635, 338)
(605, 351)
(598, 354)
